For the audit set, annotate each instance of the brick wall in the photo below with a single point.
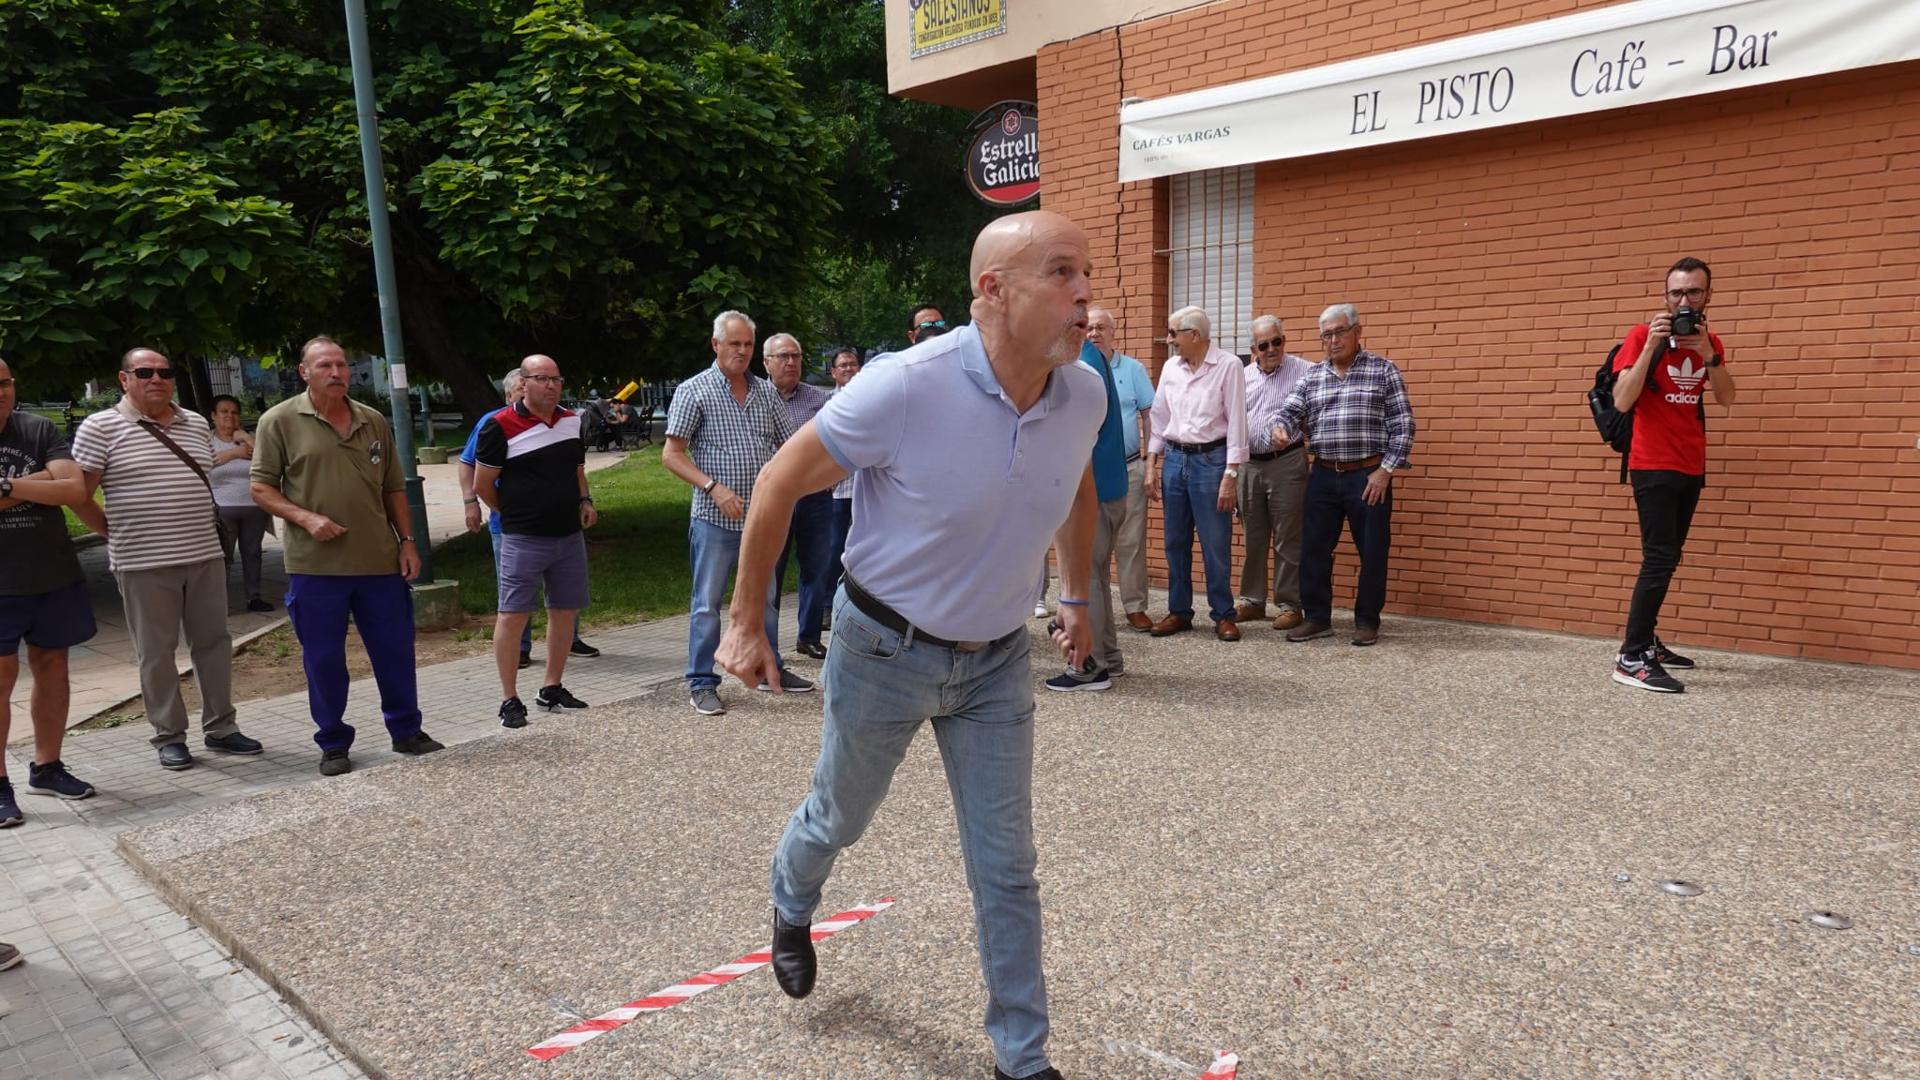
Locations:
(1497, 269)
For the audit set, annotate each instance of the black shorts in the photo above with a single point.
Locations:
(60, 619)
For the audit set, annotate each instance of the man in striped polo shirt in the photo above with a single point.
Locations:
(152, 458)
(530, 467)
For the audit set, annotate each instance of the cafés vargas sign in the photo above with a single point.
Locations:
(1003, 156)
(1607, 58)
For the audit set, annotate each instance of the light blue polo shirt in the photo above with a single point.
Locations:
(956, 496)
(1136, 396)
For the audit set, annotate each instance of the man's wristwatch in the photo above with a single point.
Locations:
(6, 487)
(406, 539)
(1233, 472)
(712, 482)
(588, 499)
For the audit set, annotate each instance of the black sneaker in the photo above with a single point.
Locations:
(10, 814)
(513, 713)
(555, 697)
(1669, 658)
(234, 743)
(1043, 1074)
(335, 763)
(789, 683)
(54, 779)
(417, 744)
(1069, 681)
(257, 604)
(1645, 673)
(581, 648)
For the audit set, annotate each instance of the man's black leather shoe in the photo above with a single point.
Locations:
(794, 963)
(1043, 1074)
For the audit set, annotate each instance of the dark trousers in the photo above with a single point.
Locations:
(382, 610)
(1666, 501)
(1334, 498)
(811, 541)
(842, 526)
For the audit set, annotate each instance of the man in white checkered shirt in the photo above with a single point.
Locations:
(725, 423)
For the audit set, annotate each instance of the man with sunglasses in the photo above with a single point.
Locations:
(43, 596)
(1274, 484)
(1355, 409)
(1668, 458)
(163, 547)
(925, 322)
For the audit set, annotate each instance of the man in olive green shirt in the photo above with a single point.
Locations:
(325, 464)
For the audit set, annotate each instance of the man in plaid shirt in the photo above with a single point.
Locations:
(724, 424)
(1354, 409)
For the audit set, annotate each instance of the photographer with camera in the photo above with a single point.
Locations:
(1661, 366)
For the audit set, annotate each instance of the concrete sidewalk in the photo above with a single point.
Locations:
(1437, 857)
(117, 983)
(103, 671)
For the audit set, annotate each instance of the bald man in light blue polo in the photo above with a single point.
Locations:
(970, 456)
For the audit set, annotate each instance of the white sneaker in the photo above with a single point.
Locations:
(1040, 611)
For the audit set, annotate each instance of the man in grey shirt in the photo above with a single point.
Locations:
(976, 444)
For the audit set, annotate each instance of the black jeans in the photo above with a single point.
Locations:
(1335, 499)
(1666, 501)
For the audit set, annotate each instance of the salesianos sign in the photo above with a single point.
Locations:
(1608, 58)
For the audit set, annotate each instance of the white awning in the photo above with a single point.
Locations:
(1608, 58)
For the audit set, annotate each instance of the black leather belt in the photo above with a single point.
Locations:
(1197, 448)
(1348, 466)
(872, 608)
(1270, 455)
(1133, 457)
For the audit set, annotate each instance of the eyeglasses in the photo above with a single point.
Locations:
(936, 324)
(1265, 345)
(551, 379)
(6, 384)
(1182, 330)
(145, 373)
(1336, 335)
(783, 356)
(1687, 294)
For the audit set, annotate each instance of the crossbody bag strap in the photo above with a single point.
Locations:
(153, 429)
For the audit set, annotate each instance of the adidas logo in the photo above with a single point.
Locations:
(1687, 377)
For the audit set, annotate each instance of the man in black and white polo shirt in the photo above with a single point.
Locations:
(530, 467)
(723, 426)
(152, 458)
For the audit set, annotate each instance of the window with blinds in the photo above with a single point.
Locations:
(1210, 250)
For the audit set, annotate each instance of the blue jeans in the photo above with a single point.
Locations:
(879, 688)
(526, 632)
(1333, 498)
(811, 537)
(842, 527)
(716, 552)
(1190, 490)
(382, 610)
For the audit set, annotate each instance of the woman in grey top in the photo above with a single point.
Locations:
(246, 523)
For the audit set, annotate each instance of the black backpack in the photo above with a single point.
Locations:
(1616, 427)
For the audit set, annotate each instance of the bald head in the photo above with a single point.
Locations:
(540, 384)
(1031, 289)
(1010, 240)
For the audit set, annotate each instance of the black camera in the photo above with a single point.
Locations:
(1687, 322)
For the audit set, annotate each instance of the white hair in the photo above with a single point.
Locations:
(510, 380)
(1267, 320)
(1193, 318)
(1335, 311)
(721, 320)
(768, 346)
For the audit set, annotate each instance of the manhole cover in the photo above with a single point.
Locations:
(1682, 888)
(1829, 920)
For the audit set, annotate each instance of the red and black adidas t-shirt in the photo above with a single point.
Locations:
(1667, 432)
(539, 466)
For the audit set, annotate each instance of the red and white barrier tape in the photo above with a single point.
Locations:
(667, 998)
(1224, 1067)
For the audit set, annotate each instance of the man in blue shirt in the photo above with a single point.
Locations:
(1136, 399)
(469, 456)
(975, 444)
(1110, 484)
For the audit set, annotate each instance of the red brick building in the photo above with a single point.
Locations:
(1497, 264)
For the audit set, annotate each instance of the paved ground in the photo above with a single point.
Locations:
(103, 670)
(1438, 857)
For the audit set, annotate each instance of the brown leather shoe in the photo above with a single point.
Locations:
(1287, 619)
(1171, 625)
(1139, 621)
(1225, 630)
(1366, 635)
(1249, 612)
(1307, 631)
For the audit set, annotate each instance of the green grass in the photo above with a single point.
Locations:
(75, 527)
(636, 554)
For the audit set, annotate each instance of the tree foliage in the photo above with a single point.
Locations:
(588, 178)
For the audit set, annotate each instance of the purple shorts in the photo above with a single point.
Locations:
(60, 619)
(558, 562)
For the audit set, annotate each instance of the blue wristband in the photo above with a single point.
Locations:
(1071, 603)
